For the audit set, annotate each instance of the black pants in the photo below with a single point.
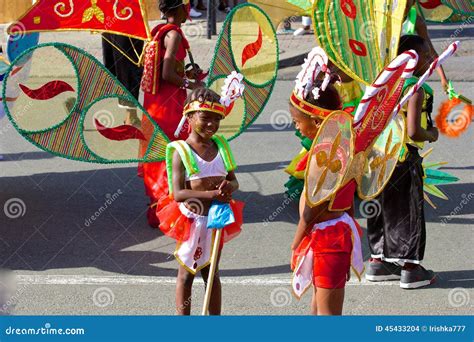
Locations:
(398, 231)
(126, 72)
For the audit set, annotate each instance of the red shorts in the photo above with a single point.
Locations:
(332, 248)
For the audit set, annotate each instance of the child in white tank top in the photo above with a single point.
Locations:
(200, 174)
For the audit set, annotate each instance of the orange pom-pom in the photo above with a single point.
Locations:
(453, 123)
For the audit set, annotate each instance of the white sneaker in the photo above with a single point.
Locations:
(300, 31)
(194, 14)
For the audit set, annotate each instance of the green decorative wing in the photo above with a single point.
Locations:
(446, 11)
(247, 44)
(68, 105)
(433, 178)
(346, 30)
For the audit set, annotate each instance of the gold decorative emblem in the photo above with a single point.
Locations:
(330, 163)
(381, 161)
(93, 11)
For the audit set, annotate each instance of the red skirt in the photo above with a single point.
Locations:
(194, 240)
(166, 109)
(176, 225)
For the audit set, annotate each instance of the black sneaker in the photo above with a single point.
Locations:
(379, 270)
(416, 277)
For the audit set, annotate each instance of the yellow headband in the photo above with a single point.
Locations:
(309, 108)
(205, 106)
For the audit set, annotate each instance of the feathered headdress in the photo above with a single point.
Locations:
(314, 64)
(232, 89)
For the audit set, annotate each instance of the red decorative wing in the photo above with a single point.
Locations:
(91, 15)
(47, 91)
(120, 133)
(380, 99)
(252, 49)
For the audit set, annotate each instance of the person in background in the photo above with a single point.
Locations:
(306, 27)
(164, 84)
(397, 233)
(121, 55)
(224, 5)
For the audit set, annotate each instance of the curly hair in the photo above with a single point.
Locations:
(411, 42)
(328, 99)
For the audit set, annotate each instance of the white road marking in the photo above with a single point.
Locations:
(145, 280)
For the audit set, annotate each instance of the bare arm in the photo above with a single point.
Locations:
(227, 187)
(414, 112)
(172, 42)
(182, 194)
(308, 217)
(231, 184)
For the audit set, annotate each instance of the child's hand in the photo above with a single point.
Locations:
(445, 85)
(224, 198)
(294, 246)
(225, 191)
(194, 74)
(226, 187)
(215, 194)
(220, 196)
(434, 133)
(196, 85)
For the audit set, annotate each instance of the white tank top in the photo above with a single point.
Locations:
(214, 168)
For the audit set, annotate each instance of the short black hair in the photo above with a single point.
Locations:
(166, 6)
(206, 94)
(411, 42)
(328, 99)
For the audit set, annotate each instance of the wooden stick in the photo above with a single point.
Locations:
(212, 271)
(178, 130)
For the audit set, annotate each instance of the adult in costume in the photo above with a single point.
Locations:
(164, 85)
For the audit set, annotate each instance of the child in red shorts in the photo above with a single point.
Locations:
(325, 242)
